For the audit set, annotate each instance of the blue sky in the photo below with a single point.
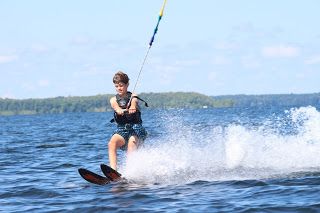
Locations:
(73, 48)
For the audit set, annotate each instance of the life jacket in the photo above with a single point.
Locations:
(126, 118)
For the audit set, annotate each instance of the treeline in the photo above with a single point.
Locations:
(183, 100)
(272, 100)
(54, 105)
(100, 103)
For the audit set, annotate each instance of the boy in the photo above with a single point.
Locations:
(130, 133)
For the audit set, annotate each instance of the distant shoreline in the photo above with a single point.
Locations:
(100, 103)
(170, 92)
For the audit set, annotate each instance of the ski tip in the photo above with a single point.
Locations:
(93, 177)
(109, 169)
(109, 172)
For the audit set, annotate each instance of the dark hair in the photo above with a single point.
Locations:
(120, 77)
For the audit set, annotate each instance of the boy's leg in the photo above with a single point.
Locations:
(115, 142)
(133, 144)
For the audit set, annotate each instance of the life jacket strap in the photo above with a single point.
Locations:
(145, 103)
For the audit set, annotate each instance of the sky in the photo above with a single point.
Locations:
(74, 47)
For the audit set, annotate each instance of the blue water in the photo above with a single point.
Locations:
(205, 160)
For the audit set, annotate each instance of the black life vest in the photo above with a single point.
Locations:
(126, 118)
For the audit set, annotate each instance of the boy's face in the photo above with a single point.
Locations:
(121, 88)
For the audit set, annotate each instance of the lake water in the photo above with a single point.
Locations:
(204, 160)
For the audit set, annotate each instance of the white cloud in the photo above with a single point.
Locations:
(313, 60)
(92, 70)
(220, 60)
(250, 62)
(215, 79)
(225, 46)
(8, 95)
(43, 83)
(168, 74)
(39, 48)
(280, 51)
(212, 76)
(166, 68)
(81, 40)
(300, 75)
(164, 74)
(28, 87)
(7, 58)
(186, 62)
(34, 86)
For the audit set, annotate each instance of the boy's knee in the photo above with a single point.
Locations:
(133, 142)
(116, 141)
(133, 139)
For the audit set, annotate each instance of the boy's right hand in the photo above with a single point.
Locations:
(120, 111)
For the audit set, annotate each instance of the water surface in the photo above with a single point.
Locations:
(204, 160)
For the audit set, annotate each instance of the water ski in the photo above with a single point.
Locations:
(111, 175)
(93, 177)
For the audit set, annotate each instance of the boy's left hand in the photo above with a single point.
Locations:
(132, 110)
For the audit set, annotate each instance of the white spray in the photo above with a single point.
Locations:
(229, 153)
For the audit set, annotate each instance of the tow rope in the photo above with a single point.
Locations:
(150, 45)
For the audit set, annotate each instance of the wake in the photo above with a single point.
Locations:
(280, 146)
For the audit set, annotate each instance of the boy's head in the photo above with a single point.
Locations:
(120, 77)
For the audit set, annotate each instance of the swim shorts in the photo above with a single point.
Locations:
(128, 130)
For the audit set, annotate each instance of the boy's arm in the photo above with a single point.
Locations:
(134, 104)
(115, 106)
